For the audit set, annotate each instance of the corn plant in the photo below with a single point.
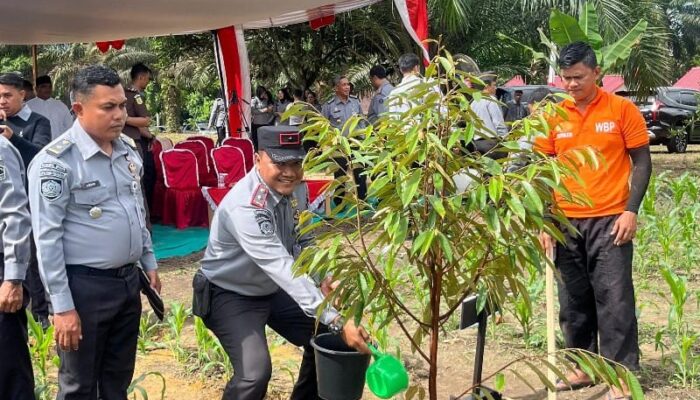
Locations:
(211, 356)
(148, 329)
(522, 309)
(176, 322)
(684, 359)
(136, 388)
(40, 345)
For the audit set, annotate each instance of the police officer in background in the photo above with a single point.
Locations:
(383, 89)
(138, 120)
(16, 377)
(338, 110)
(89, 227)
(246, 279)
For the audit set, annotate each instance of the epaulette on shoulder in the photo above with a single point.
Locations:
(59, 147)
(128, 141)
(352, 96)
(331, 100)
(259, 198)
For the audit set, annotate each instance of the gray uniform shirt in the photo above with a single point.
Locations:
(338, 111)
(491, 115)
(15, 225)
(87, 209)
(253, 242)
(377, 106)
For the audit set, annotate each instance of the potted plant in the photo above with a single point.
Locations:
(422, 245)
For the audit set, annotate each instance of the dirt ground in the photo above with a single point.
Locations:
(457, 347)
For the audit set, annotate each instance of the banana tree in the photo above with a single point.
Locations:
(565, 29)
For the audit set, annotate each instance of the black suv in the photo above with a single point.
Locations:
(672, 117)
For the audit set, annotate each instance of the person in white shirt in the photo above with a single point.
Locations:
(488, 110)
(409, 65)
(54, 110)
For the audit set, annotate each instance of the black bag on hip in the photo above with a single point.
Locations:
(201, 297)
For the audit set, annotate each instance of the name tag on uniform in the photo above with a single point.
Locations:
(90, 185)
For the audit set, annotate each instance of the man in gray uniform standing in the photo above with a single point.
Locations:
(246, 280)
(90, 231)
(338, 110)
(16, 377)
(383, 89)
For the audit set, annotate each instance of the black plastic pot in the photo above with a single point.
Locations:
(340, 370)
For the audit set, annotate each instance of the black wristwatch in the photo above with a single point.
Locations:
(336, 327)
(16, 282)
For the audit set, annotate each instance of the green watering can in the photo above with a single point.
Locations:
(386, 377)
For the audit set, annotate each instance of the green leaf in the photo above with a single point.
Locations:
(438, 206)
(621, 50)
(410, 187)
(564, 29)
(445, 246)
(532, 199)
(545, 381)
(588, 21)
(496, 188)
(516, 206)
(634, 386)
(500, 382)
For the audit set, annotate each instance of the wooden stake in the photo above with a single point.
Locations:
(551, 322)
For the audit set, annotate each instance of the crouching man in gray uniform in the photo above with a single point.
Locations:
(16, 377)
(246, 280)
(89, 227)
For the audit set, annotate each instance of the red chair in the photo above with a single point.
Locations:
(209, 144)
(206, 176)
(165, 142)
(184, 205)
(246, 147)
(156, 206)
(229, 160)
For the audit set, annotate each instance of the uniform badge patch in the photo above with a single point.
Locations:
(51, 189)
(265, 222)
(138, 99)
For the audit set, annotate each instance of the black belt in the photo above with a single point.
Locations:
(120, 272)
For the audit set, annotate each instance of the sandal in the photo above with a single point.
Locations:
(577, 380)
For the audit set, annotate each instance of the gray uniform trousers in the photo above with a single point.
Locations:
(110, 310)
(239, 323)
(16, 376)
(596, 294)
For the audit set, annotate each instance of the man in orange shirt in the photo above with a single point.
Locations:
(596, 293)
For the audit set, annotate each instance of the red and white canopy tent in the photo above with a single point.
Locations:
(69, 21)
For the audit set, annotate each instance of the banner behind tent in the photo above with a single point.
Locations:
(232, 55)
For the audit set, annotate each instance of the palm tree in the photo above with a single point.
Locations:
(186, 65)
(62, 61)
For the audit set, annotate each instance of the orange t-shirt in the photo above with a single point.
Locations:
(611, 124)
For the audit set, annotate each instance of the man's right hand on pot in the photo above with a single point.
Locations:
(355, 336)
